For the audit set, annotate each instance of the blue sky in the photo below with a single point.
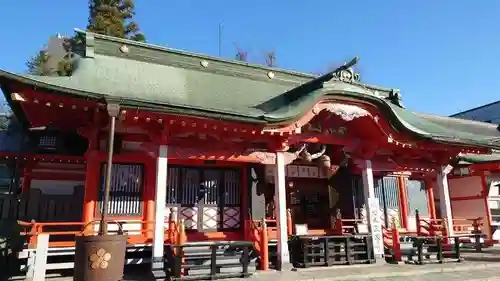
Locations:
(443, 55)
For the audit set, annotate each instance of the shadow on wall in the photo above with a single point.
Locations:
(11, 137)
(40, 207)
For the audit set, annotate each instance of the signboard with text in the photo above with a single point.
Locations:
(376, 226)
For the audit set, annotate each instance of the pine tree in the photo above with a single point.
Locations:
(114, 18)
(107, 17)
(36, 63)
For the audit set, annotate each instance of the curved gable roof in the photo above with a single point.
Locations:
(161, 79)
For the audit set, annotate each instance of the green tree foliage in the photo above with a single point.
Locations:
(107, 17)
(34, 64)
(4, 121)
(65, 65)
(114, 18)
(6, 117)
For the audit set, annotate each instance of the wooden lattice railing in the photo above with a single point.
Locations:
(261, 232)
(392, 238)
(63, 233)
(432, 228)
(439, 227)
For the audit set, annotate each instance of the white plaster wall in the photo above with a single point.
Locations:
(56, 187)
(494, 202)
(131, 227)
(412, 223)
(493, 180)
(494, 188)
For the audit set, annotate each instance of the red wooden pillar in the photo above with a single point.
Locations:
(91, 191)
(92, 173)
(431, 202)
(403, 201)
(149, 198)
(26, 179)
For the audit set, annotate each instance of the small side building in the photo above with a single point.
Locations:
(489, 113)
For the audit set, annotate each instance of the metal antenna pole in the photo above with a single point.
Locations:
(220, 39)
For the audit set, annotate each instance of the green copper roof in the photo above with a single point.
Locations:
(157, 78)
(467, 159)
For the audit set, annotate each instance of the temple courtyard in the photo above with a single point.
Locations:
(477, 266)
(468, 270)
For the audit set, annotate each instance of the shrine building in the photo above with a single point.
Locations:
(225, 144)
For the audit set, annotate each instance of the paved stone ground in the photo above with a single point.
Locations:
(477, 267)
(461, 272)
(488, 255)
(466, 271)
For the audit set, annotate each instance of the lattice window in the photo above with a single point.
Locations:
(387, 192)
(232, 185)
(48, 142)
(173, 179)
(190, 186)
(211, 182)
(125, 197)
(208, 199)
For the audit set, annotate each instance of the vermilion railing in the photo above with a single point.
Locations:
(62, 233)
(432, 228)
(392, 238)
(266, 229)
(439, 227)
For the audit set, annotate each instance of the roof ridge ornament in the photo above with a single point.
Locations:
(395, 98)
(345, 73)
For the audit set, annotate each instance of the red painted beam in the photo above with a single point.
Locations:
(56, 176)
(43, 157)
(465, 198)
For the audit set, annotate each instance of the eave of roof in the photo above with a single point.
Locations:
(469, 159)
(190, 84)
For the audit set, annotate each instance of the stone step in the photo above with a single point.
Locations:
(198, 259)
